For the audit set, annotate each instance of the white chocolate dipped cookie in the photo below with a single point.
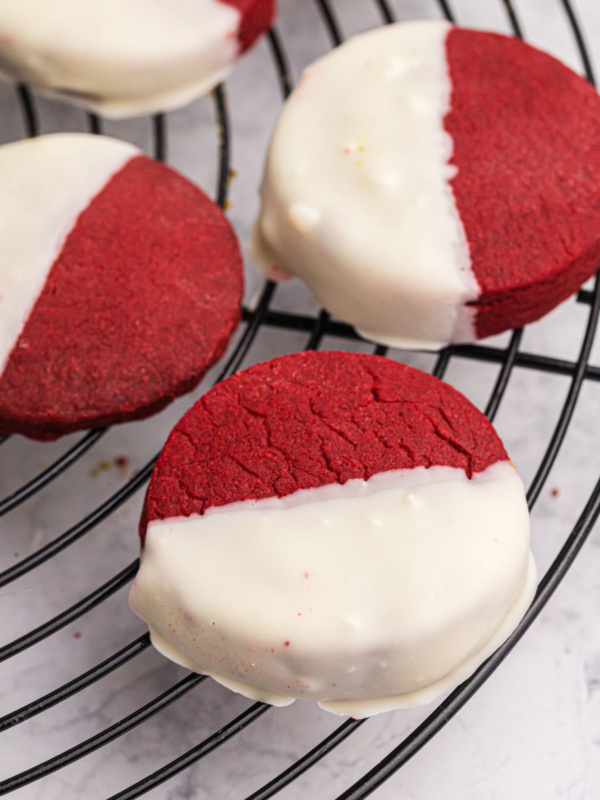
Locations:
(120, 284)
(434, 185)
(351, 532)
(126, 58)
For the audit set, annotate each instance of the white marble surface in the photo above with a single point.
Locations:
(533, 731)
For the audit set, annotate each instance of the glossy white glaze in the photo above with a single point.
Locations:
(356, 198)
(45, 183)
(365, 596)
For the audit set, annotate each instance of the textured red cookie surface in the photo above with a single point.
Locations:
(257, 17)
(140, 302)
(312, 419)
(525, 131)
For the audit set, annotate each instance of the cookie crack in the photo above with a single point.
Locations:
(453, 443)
(330, 426)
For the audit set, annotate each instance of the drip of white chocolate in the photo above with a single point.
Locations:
(366, 596)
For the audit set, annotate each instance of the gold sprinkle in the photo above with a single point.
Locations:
(101, 466)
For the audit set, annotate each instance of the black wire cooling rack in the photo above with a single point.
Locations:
(139, 697)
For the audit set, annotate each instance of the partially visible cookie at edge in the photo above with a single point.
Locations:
(122, 59)
(120, 284)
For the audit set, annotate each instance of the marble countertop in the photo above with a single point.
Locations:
(532, 731)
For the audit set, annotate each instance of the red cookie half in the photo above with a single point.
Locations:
(310, 420)
(123, 287)
(337, 527)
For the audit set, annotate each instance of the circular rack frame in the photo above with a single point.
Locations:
(262, 315)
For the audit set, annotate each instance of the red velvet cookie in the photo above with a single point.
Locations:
(434, 184)
(120, 59)
(314, 419)
(121, 286)
(334, 526)
(527, 187)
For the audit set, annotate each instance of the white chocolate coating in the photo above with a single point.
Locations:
(356, 197)
(119, 58)
(366, 597)
(45, 183)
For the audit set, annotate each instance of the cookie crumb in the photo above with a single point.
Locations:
(101, 466)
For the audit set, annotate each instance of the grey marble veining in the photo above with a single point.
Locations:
(531, 733)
